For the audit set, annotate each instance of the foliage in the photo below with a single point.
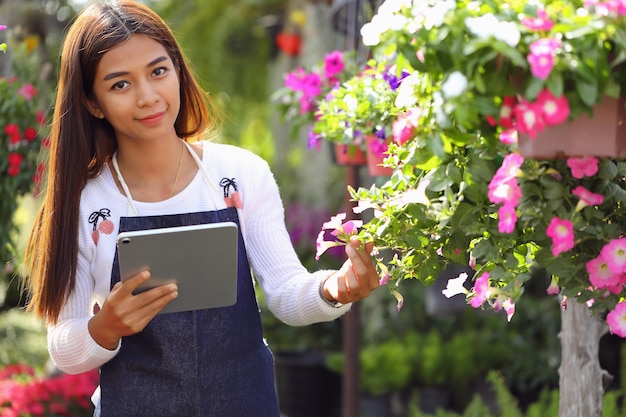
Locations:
(482, 74)
(23, 137)
(22, 340)
(304, 88)
(229, 49)
(25, 394)
(359, 107)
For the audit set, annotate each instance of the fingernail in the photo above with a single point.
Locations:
(172, 287)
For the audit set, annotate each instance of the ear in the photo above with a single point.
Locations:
(93, 108)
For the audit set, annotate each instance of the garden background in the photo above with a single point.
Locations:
(435, 353)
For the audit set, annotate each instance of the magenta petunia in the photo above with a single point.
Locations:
(555, 110)
(587, 197)
(333, 64)
(583, 167)
(507, 218)
(529, 119)
(561, 232)
(553, 288)
(541, 23)
(616, 319)
(507, 192)
(508, 137)
(600, 275)
(481, 290)
(614, 253)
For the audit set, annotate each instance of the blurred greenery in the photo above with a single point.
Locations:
(22, 340)
(230, 49)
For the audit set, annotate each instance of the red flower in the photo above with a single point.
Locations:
(30, 133)
(11, 129)
(15, 160)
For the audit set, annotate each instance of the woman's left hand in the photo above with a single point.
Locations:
(357, 277)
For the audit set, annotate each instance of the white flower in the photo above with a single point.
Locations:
(482, 27)
(406, 97)
(508, 33)
(386, 19)
(487, 26)
(434, 15)
(455, 286)
(455, 85)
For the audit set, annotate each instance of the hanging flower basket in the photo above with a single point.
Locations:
(602, 135)
(375, 159)
(349, 155)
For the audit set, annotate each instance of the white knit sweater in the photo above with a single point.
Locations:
(292, 293)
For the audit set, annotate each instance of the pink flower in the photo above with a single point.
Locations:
(540, 23)
(481, 290)
(583, 167)
(614, 253)
(529, 119)
(587, 197)
(504, 192)
(553, 288)
(541, 57)
(323, 245)
(555, 110)
(506, 112)
(378, 147)
(15, 161)
(562, 234)
(507, 218)
(505, 304)
(455, 286)
(616, 319)
(333, 64)
(510, 167)
(402, 128)
(600, 275)
(27, 91)
(508, 137)
(350, 227)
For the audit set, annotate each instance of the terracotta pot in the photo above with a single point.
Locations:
(349, 155)
(374, 161)
(602, 135)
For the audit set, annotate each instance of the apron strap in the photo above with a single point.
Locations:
(131, 204)
(213, 191)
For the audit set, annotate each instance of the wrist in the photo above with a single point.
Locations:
(326, 295)
(102, 337)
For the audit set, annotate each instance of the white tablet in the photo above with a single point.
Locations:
(201, 259)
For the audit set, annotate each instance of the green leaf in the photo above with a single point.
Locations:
(555, 84)
(587, 92)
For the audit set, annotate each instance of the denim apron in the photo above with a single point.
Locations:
(203, 363)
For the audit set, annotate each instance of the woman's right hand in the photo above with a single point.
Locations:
(124, 314)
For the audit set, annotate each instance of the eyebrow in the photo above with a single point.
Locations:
(122, 73)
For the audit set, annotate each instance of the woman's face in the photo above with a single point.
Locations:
(137, 90)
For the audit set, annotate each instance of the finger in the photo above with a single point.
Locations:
(354, 289)
(363, 268)
(132, 283)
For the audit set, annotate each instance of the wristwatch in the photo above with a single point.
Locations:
(334, 303)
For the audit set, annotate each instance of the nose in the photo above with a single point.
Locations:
(147, 95)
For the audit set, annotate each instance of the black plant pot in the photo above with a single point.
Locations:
(306, 388)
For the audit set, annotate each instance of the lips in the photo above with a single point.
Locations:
(153, 118)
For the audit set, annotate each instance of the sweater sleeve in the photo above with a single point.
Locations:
(292, 293)
(71, 347)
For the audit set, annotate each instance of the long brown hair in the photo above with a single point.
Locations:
(80, 144)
